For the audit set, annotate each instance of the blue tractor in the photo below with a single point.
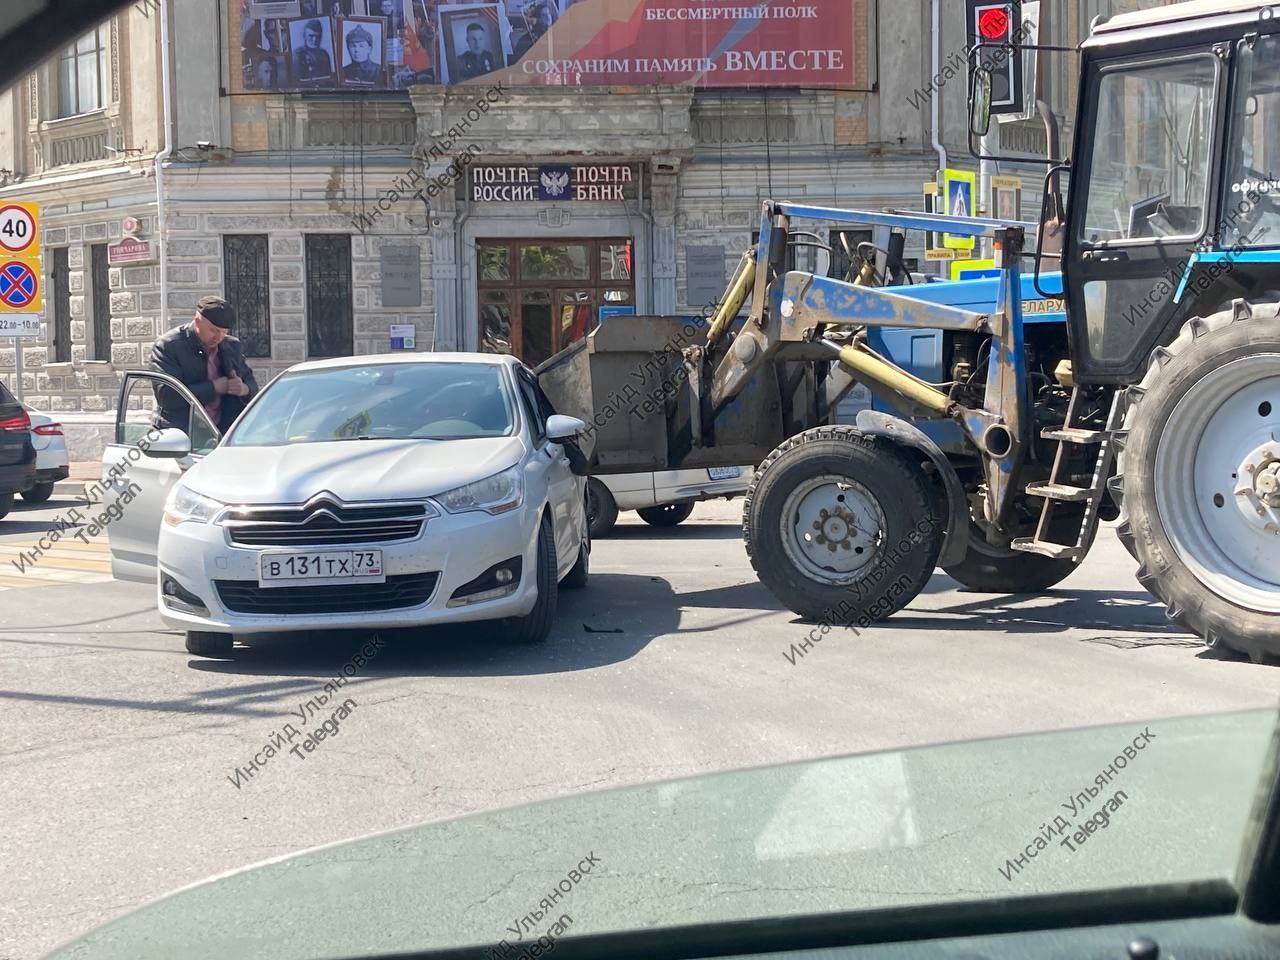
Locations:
(1139, 379)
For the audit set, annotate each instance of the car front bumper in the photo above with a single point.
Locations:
(457, 548)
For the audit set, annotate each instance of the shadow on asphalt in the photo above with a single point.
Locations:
(1132, 618)
(684, 531)
(53, 503)
(583, 636)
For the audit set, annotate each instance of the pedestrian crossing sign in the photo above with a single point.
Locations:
(958, 189)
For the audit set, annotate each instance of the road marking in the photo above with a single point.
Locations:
(67, 561)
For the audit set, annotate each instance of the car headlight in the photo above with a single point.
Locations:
(184, 504)
(497, 494)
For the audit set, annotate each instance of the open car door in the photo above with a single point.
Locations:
(141, 466)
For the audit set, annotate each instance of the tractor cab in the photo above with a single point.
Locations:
(1175, 178)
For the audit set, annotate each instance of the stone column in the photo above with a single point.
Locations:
(663, 200)
(448, 321)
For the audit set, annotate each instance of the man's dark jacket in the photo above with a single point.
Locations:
(179, 354)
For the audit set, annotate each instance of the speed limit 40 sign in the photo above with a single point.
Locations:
(20, 230)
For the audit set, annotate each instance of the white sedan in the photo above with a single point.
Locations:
(391, 491)
(52, 462)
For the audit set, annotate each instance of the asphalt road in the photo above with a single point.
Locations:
(116, 746)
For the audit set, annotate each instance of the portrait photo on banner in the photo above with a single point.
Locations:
(311, 42)
(361, 51)
(530, 20)
(475, 39)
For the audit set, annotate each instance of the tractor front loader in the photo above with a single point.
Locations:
(846, 523)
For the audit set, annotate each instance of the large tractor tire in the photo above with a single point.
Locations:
(988, 568)
(842, 527)
(1199, 479)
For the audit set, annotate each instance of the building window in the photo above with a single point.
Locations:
(330, 329)
(789, 260)
(82, 73)
(61, 283)
(246, 266)
(845, 262)
(537, 297)
(100, 344)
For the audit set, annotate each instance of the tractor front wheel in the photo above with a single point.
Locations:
(842, 527)
(1200, 475)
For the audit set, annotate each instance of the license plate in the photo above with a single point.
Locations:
(724, 473)
(320, 568)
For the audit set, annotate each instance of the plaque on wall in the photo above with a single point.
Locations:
(705, 269)
(402, 276)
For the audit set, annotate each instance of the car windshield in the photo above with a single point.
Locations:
(865, 834)
(383, 401)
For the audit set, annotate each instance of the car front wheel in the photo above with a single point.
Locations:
(602, 510)
(535, 626)
(202, 643)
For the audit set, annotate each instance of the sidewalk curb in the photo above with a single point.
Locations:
(73, 490)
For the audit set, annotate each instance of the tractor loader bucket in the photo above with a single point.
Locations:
(630, 382)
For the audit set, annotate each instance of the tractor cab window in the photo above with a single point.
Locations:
(1251, 196)
(1149, 170)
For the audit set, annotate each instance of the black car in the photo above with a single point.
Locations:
(17, 455)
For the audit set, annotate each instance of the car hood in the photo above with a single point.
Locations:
(913, 829)
(352, 470)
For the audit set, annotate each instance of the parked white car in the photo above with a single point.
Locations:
(387, 491)
(664, 498)
(52, 462)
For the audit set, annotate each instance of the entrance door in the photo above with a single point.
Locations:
(537, 333)
(537, 296)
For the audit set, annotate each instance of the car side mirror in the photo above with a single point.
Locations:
(171, 444)
(980, 102)
(560, 427)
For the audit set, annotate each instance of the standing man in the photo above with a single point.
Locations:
(209, 362)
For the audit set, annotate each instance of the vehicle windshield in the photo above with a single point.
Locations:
(1149, 171)
(1007, 821)
(1250, 207)
(383, 401)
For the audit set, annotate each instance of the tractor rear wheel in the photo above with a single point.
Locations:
(1199, 471)
(842, 527)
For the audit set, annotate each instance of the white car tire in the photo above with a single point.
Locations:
(535, 626)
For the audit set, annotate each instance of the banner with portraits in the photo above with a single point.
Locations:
(291, 45)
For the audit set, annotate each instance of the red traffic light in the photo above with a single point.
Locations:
(993, 23)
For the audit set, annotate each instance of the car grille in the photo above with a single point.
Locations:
(324, 522)
(245, 596)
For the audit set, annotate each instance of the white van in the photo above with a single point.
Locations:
(662, 499)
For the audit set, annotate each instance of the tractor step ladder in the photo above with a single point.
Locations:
(1054, 491)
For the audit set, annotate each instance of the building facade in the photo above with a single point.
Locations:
(510, 212)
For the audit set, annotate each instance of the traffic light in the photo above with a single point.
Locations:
(996, 26)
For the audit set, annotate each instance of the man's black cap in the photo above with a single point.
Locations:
(217, 311)
(358, 35)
